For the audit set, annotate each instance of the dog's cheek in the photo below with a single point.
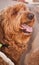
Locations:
(16, 26)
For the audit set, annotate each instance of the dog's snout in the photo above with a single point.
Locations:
(30, 16)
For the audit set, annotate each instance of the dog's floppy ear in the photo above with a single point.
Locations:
(1, 33)
(1, 29)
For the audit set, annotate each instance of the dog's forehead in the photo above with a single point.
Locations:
(25, 13)
(20, 8)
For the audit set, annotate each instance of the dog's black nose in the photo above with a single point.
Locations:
(30, 16)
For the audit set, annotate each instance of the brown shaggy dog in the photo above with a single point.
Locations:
(16, 24)
(33, 58)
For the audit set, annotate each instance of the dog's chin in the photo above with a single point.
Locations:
(26, 29)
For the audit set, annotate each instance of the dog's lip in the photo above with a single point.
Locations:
(26, 28)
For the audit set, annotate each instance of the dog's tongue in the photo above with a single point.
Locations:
(27, 28)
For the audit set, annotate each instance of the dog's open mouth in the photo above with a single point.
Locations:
(26, 29)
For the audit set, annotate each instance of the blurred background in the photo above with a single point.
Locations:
(28, 0)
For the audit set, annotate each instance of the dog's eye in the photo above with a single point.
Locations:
(14, 12)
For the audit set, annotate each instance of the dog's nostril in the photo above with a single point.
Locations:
(30, 16)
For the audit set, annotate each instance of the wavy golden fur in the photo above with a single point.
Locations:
(10, 21)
